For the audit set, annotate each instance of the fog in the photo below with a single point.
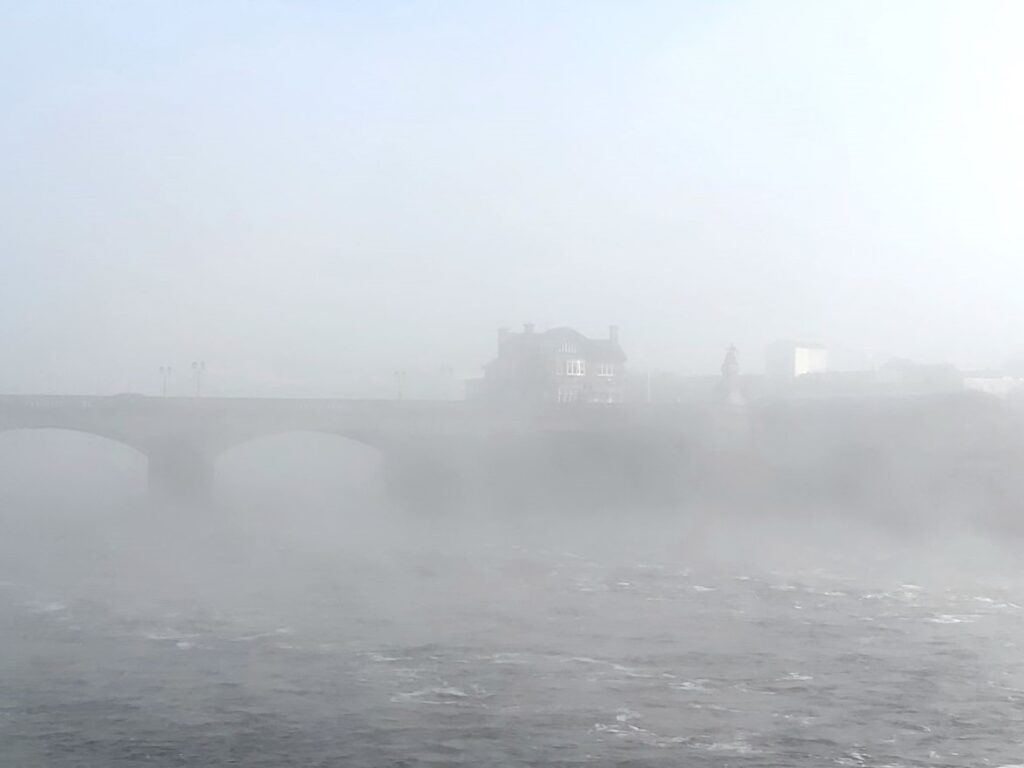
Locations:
(301, 615)
(511, 384)
(310, 199)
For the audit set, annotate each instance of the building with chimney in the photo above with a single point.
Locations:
(560, 365)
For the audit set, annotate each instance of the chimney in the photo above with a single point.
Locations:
(528, 328)
(613, 333)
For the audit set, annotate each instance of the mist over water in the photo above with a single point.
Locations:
(299, 619)
(570, 383)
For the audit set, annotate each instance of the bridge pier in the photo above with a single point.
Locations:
(180, 471)
(431, 475)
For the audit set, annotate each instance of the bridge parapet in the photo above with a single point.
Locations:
(183, 436)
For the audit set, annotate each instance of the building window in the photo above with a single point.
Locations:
(568, 395)
(568, 348)
(606, 369)
(575, 368)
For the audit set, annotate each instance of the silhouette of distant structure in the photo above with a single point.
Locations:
(729, 386)
(995, 383)
(912, 378)
(730, 425)
(790, 360)
(560, 365)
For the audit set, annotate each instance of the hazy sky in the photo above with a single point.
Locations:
(312, 195)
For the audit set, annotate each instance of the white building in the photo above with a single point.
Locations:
(1000, 386)
(787, 360)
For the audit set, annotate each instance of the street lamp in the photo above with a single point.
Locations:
(400, 384)
(165, 374)
(198, 368)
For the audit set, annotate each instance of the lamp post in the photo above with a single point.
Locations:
(198, 368)
(165, 374)
(400, 384)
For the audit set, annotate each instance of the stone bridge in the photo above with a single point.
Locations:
(421, 441)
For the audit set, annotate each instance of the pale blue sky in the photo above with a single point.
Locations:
(312, 195)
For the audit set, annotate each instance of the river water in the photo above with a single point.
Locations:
(151, 644)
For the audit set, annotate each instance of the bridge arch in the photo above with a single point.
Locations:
(107, 435)
(235, 442)
(67, 462)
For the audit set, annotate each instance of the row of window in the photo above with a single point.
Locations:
(579, 368)
(570, 395)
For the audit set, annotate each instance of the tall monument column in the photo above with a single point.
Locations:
(731, 424)
(729, 385)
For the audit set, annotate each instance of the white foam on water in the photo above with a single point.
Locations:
(948, 618)
(167, 634)
(585, 660)
(852, 758)
(380, 658)
(260, 635)
(504, 658)
(712, 707)
(444, 694)
(738, 747)
(52, 606)
(628, 671)
(796, 676)
(692, 685)
(624, 725)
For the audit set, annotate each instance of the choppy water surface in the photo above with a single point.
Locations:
(268, 654)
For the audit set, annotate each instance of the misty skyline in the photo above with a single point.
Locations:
(311, 197)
